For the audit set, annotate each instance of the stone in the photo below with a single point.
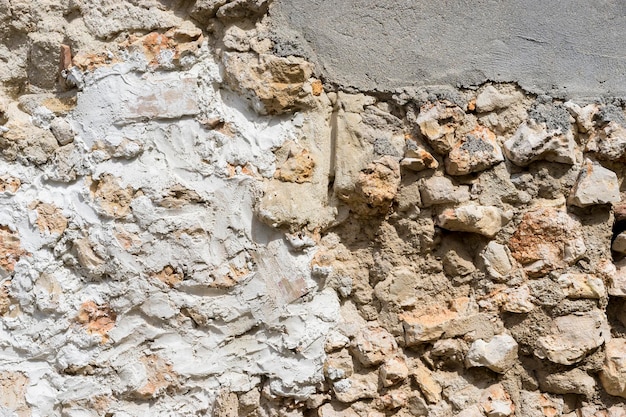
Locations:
(619, 244)
(297, 168)
(441, 190)
(582, 286)
(613, 374)
(159, 377)
(417, 158)
(372, 345)
(357, 387)
(534, 141)
(537, 404)
(393, 371)
(438, 122)
(617, 279)
(169, 276)
(572, 337)
(338, 365)
(475, 151)
(226, 405)
(112, 199)
(457, 262)
(496, 402)
(491, 99)
(10, 250)
(62, 131)
(275, 85)
(496, 260)
(9, 184)
(575, 381)
(547, 239)
(608, 142)
(595, 185)
(50, 218)
(518, 300)
(13, 399)
(25, 142)
(484, 220)
(96, 319)
(376, 187)
(427, 384)
(328, 410)
(499, 354)
(425, 325)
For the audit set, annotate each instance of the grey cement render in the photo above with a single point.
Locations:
(570, 48)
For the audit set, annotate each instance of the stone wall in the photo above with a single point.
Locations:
(195, 223)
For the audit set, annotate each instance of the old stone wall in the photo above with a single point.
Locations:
(197, 220)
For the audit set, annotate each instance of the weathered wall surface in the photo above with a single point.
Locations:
(566, 48)
(197, 220)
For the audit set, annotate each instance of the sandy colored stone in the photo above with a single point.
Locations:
(438, 122)
(537, 404)
(572, 337)
(473, 152)
(441, 190)
(424, 325)
(358, 386)
(496, 402)
(619, 244)
(226, 405)
(416, 158)
(87, 257)
(13, 387)
(50, 218)
(338, 365)
(159, 377)
(9, 183)
(582, 286)
(613, 375)
(496, 260)
(574, 381)
(376, 187)
(547, 239)
(274, 84)
(491, 99)
(499, 354)
(25, 142)
(297, 168)
(608, 142)
(484, 220)
(110, 196)
(534, 141)
(328, 410)
(427, 384)
(372, 345)
(393, 370)
(169, 276)
(595, 185)
(165, 49)
(10, 250)
(96, 319)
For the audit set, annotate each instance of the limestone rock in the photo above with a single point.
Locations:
(96, 319)
(375, 187)
(21, 141)
(429, 324)
(573, 336)
(62, 131)
(595, 185)
(441, 190)
(372, 345)
(496, 402)
(619, 244)
(484, 220)
(499, 354)
(496, 260)
(613, 375)
(582, 286)
(438, 122)
(547, 239)
(617, 284)
(13, 397)
(608, 142)
(338, 365)
(537, 404)
(575, 381)
(417, 158)
(327, 410)
(110, 196)
(474, 152)
(393, 371)
(491, 99)
(10, 250)
(50, 218)
(427, 384)
(358, 386)
(297, 168)
(534, 141)
(274, 84)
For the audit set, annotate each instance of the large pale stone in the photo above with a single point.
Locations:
(619, 244)
(393, 371)
(608, 142)
(438, 123)
(496, 259)
(417, 158)
(491, 99)
(484, 220)
(441, 190)
(547, 239)
(533, 141)
(372, 345)
(573, 336)
(613, 375)
(474, 152)
(429, 387)
(582, 286)
(358, 386)
(499, 354)
(575, 381)
(595, 185)
(496, 402)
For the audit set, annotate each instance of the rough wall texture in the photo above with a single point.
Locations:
(195, 222)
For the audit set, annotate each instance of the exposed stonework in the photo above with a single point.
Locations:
(196, 221)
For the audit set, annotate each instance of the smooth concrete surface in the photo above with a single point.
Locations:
(571, 48)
